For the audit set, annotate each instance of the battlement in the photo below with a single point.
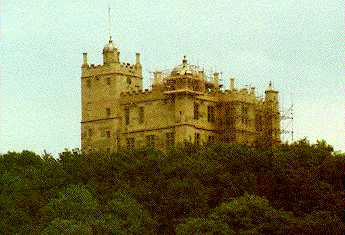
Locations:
(101, 69)
(140, 96)
(134, 93)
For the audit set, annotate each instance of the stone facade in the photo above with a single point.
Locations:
(183, 105)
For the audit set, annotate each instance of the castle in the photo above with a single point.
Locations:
(183, 105)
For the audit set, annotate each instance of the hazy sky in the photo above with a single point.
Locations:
(299, 45)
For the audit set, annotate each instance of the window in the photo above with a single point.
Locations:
(227, 115)
(127, 116)
(88, 83)
(196, 111)
(118, 142)
(102, 132)
(130, 143)
(88, 111)
(170, 139)
(90, 132)
(108, 133)
(210, 114)
(244, 115)
(150, 141)
(211, 139)
(108, 81)
(258, 123)
(107, 110)
(108, 150)
(141, 114)
(197, 139)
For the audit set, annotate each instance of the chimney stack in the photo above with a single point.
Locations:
(157, 77)
(252, 90)
(232, 84)
(216, 79)
(85, 64)
(137, 58)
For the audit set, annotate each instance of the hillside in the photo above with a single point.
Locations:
(220, 189)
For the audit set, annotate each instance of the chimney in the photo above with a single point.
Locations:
(85, 64)
(252, 90)
(137, 58)
(216, 79)
(157, 77)
(232, 84)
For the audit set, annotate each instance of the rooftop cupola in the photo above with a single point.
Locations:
(184, 68)
(110, 53)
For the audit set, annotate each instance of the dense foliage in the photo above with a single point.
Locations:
(220, 189)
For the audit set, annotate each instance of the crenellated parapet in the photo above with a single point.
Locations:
(126, 69)
(111, 64)
(139, 96)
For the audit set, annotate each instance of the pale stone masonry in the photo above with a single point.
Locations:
(183, 105)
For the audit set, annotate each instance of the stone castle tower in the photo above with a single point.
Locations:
(183, 105)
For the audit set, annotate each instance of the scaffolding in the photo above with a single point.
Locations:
(287, 123)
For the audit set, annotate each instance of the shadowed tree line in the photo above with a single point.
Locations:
(219, 189)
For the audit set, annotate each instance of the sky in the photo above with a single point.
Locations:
(298, 45)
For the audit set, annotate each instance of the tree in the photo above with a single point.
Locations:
(74, 206)
(203, 226)
(248, 214)
(124, 215)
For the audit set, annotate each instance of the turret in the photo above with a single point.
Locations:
(270, 94)
(273, 125)
(110, 53)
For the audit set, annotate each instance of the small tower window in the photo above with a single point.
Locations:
(170, 139)
(197, 139)
(127, 116)
(118, 142)
(141, 114)
(108, 81)
(150, 141)
(244, 115)
(130, 143)
(108, 133)
(107, 110)
(196, 111)
(210, 114)
(88, 83)
(90, 132)
(211, 139)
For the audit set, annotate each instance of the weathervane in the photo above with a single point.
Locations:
(109, 23)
